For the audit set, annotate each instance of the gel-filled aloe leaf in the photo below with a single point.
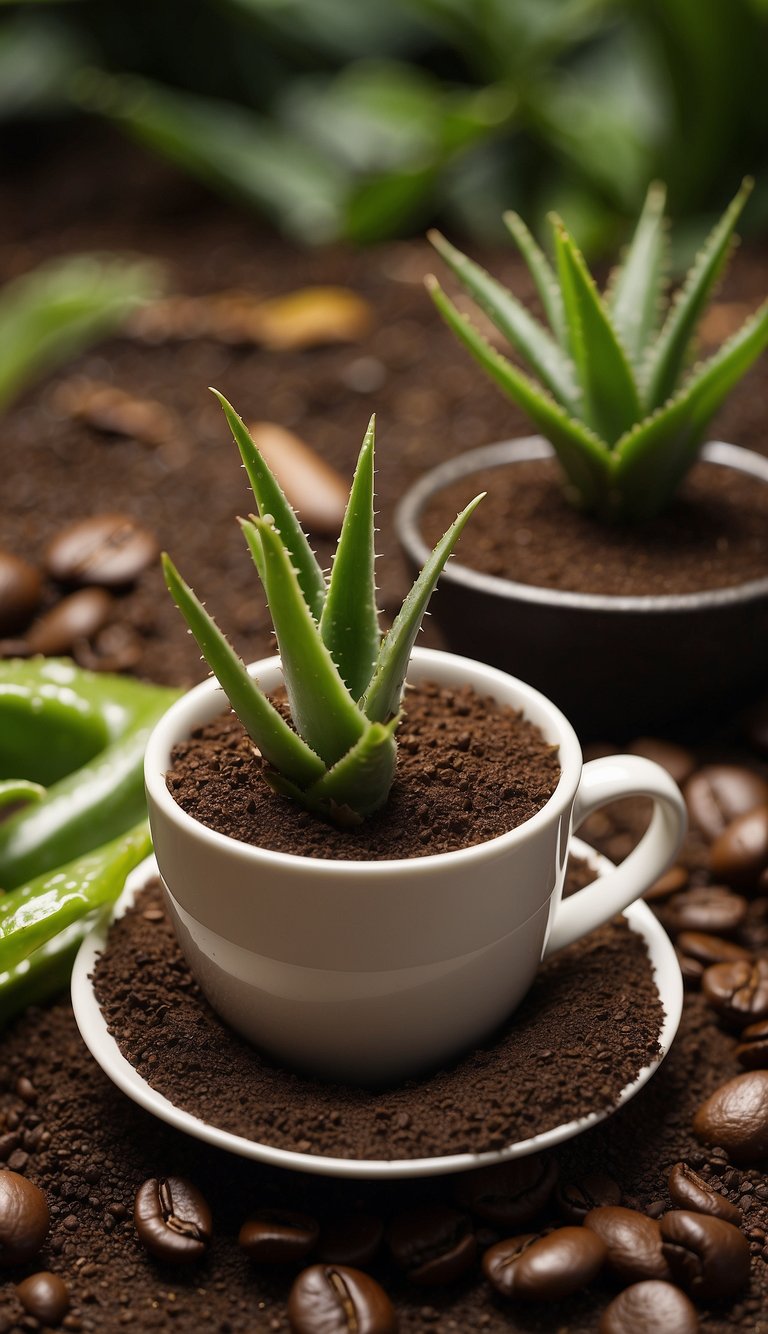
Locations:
(361, 779)
(349, 624)
(542, 273)
(278, 743)
(634, 296)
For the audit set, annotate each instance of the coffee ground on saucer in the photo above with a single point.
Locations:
(589, 1024)
(468, 770)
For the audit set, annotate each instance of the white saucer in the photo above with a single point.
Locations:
(106, 1052)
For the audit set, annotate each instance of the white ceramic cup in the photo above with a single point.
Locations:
(373, 971)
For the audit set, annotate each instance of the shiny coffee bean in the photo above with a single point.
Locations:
(337, 1299)
(752, 1051)
(44, 1296)
(172, 1219)
(707, 1256)
(24, 1219)
(710, 949)
(740, 854)
(690, 1191)
(633, 1241)
(545, 1269)
(739, 990)
(719, 793)
(678, 762)
(509, 1194)
(673, 880)
(712, 909)
(79, 616)
(649, 1308)
(278, 1236)
(594, 1190)
(110, 550)
(20, 592)
(351, 1239)
(691, 969)
(735, 1117)
(432, 1243)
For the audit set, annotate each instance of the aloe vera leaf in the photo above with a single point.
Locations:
(636, 286)
(542, 273)
(271, 499)
(611, 403)
(277, 742)
(667, 355)
(323, 710)
(349, 624)
(382, 698)
(652, 459)
(584, 458)
(511, 318)
(361, 779)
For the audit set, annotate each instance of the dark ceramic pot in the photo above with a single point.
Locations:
(616, 666)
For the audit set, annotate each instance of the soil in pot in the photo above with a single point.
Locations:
(468, 770)
(714, 535)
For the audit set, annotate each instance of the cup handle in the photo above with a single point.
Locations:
(609, 779)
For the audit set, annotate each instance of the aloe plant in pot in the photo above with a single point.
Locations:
(367, 967)
(624, 414)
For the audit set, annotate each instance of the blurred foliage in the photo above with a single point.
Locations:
(364, 120)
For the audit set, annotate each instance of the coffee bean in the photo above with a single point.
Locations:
(44, 1296)
(24, 1219)
(675, 879)
(735, 1117)
(434, 1244)
(76, 617)
(545, 1268)
(20, 592)
(738, 990)
(691, 969)
(574, 1199)
(351, 1239)
(337, 1299)
(690, 1191)
(710, 949)
(712, 909)
(752, 1051)
(509, 1194)
(649, 1308)
(707, 1256)
(678, 762)
(633, 1241)
(278, 1236)
(740, 854)
(110, 550)
(172, 1219)
(718, 793)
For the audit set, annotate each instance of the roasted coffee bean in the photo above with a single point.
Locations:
(110, 550)
(707, 1256)
(594, 1190)
(352, 1239)
(76, 617)
(650, 1308)
(24, 1219)
(44, 1296)
(740, 854)
(20, 592)
(691, 969)
(735, 1117)
(739, 990)
(172, 1219)
(545, 1268)
(509, 1194)
(678, 762)
(752, 1051)
(673, 880)
(712, 909)
(278, 1236)
(719, 793)
(633, 1241)
(432, 1243)
(336, 1299)
(690, 1191)
(709, 949)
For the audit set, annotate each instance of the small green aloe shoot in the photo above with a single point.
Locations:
(615, 393)
(344, 680)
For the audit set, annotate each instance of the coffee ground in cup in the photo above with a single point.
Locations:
(589, 1024)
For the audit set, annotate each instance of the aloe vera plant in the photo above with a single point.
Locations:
(344, 680)
(616, 395)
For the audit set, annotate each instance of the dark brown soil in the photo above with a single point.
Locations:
(714, 535)
(467, 771)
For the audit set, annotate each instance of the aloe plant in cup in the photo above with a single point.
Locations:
(344, 680)
(616, 395)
